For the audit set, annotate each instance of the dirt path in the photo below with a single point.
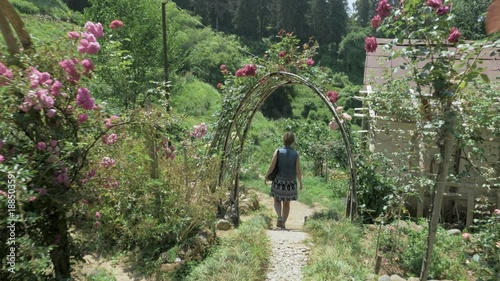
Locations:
(290, 250)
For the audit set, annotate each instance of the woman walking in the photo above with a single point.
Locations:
(284, 185)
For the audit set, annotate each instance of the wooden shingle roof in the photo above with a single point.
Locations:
(378, 62)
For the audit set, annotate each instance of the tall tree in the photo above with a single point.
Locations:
(292, 17)
(246, 20)
(471, 17)
(362, 13)
(319, 18)
(338, 19)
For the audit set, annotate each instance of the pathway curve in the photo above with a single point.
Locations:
(290, 250)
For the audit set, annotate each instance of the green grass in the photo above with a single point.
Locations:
(316, 190)
(101, 274)
(53, 8)
(338, 253)
(242, 255)
(197, 100)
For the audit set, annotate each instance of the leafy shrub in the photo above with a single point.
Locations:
(25, 7)
(405, 246)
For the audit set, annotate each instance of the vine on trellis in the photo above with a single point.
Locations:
(285, 63)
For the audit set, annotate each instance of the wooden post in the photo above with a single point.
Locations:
(470, 208)
(420, 203)
(165, 55)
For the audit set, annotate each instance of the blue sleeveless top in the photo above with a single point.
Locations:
(287, 163)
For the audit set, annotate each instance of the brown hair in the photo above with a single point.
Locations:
(288, 139)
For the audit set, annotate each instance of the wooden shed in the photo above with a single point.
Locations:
(459, 200)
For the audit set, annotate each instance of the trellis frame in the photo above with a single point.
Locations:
(233, 128)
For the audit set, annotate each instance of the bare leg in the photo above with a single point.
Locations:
(277, 207)
(286, 211)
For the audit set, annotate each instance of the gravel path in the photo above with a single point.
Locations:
(289, 255)
(290, 251)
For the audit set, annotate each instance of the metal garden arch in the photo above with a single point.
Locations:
(234, 125)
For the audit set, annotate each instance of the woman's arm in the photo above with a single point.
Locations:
(271, 167)
(299, 172)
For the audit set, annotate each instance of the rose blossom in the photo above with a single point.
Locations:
(310, 62)
(376, 20)
(443, 10)
(333, 96)
(454, 35)
(371, 44)
(384, 8)
(434, 3)
(5, 75)
(116, 24)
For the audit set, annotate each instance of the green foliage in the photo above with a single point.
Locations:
(195, 99)
(472, 17)
(101, 274)
(407, 246)
(49, 8)
(352, 55)
(241, 255)
(484, 240)
(151, 215)
(339, 239)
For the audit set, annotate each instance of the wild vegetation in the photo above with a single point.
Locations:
(104, 157)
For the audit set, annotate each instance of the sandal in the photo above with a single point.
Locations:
(279, 222)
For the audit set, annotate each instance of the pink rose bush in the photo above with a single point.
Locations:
(54, 123)
(116, 24)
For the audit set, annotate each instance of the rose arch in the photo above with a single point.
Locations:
(234, 124)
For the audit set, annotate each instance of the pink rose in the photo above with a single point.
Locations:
(454, 35)
(116, 24)
(371, 44)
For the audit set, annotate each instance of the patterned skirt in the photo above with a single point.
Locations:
(284, 189)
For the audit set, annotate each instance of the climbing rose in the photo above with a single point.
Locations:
(95, 29)
(466, 236)
(384, 8)
(376, 20)
(371, 44)
(107, 162)
(73, 35)
(38, 78)
(346, 116)
(112, 138)
(51, 113)
(247, 70)
(41, 146)
(219, 85)
(5, 75)
(69, 67)
(2, 158)
(282, 54)
(83, 118)
(454, 35)
(443, 10)
(116, 24)
(84, 99)
(222, 67)
(310, 62)
(55, 90)
(97, 215)
(199, 130)
(87, 66)
(333, 125)
(109, 121)
(497, 212)
(87, 47)
(333, 96)
(434, 3)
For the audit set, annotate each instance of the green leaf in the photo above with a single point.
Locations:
(485, 78)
